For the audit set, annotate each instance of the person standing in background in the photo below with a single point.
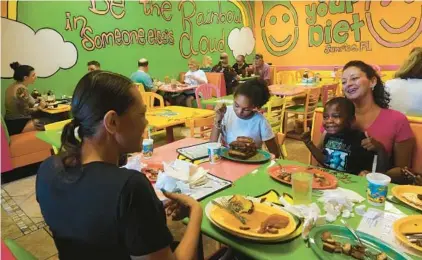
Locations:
(93, 65)
(240, 66)
(141, 76)
(406, 88)
(260, 68)
(229, 73)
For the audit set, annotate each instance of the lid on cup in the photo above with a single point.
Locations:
(378, 178)
(147, 141)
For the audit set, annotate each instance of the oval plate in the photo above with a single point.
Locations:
(400, 189)
(228, 223)
(275, 171)
(408, 225)
(152, 165)
(343, 235)
(261, 156)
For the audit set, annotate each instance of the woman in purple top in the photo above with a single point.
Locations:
(390, 128)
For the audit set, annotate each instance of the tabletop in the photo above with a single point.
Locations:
(61, 108)
(225, 169)
(174, 115)
(255, 184)
(159, 118)
(228, 100)
(178, 89)
(286, 90)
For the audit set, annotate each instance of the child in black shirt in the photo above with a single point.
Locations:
(343, 148)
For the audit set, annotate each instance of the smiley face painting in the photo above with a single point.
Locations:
(395, 36)
(280, 17)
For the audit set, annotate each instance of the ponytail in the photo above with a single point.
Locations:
(70, 151)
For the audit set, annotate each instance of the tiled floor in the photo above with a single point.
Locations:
(21, 219)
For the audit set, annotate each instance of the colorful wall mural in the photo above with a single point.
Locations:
(58, 38)
(333, 32)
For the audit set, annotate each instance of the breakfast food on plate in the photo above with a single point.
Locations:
(355, 251)
(273, 223)
(241, 205)
(320, 178)
(413, 198)
(243, 148)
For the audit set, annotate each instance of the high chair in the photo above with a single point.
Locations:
(54, 126)
(300, 72)
(328, 92)
(140, 87)
(205, 126)
(307, 110)
(285, 77)
(275, 115)
(149, 98)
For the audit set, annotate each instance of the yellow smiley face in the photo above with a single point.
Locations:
(391, 29)
(279, 27)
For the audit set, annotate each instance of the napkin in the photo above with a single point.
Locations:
(338, 202)
(134, 163)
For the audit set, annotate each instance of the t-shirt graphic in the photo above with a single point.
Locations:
(344, 152)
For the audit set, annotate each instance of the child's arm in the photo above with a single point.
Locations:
(315, 151)
(220, 111)
(273, 147)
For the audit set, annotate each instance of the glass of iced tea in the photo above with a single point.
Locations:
(302, 187)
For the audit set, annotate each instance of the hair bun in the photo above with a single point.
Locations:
(14, 65)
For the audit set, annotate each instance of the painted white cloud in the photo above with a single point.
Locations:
(241, 41)
(45, 50)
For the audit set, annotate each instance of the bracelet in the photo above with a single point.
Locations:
(217, 124)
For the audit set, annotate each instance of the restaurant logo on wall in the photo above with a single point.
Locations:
(191, 20)
(280, 26)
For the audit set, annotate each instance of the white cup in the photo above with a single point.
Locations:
(214, 152)
(147, 148)
(377, 188)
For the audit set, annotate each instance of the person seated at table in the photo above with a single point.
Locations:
(206, 64)
(141, 76)
(194, 77)
(406, 88)
(95, 209)
(240, 66)
(22, 110)
(260, 68)
(343, 148)
(244, 118)
(363, 86)
(93, 65)
(229, 73)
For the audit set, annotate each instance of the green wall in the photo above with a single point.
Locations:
(165, 59)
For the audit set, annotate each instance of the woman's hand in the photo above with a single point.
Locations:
(371, 144)
(220, 111)
(417, 177)
(180, 206)
(43, 104)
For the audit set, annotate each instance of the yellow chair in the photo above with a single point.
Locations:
(285, 77)
(149, 98)
(54, 126)
(280, 137)
(308, 109)
(140, 87)
(205, 126)
(276, 107)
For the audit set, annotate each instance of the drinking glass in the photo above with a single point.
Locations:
(302, 187)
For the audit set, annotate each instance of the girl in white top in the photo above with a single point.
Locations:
(406, 89)
(193, 77)
(244, 118)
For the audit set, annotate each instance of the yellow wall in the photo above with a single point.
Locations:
(349, 22)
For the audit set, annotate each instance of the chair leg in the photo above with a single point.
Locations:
(284, 150)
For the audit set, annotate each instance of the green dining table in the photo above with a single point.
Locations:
(51, 137)
(255, 184)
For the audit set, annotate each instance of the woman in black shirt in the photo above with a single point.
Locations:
(95, 209)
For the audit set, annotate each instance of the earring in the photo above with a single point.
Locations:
(372, 87)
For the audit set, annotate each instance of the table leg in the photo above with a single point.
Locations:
(169, 134)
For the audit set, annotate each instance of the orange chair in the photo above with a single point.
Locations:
(307, 110)
(328, 92)
(206, 91)
(205, 127)
(23, 149)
